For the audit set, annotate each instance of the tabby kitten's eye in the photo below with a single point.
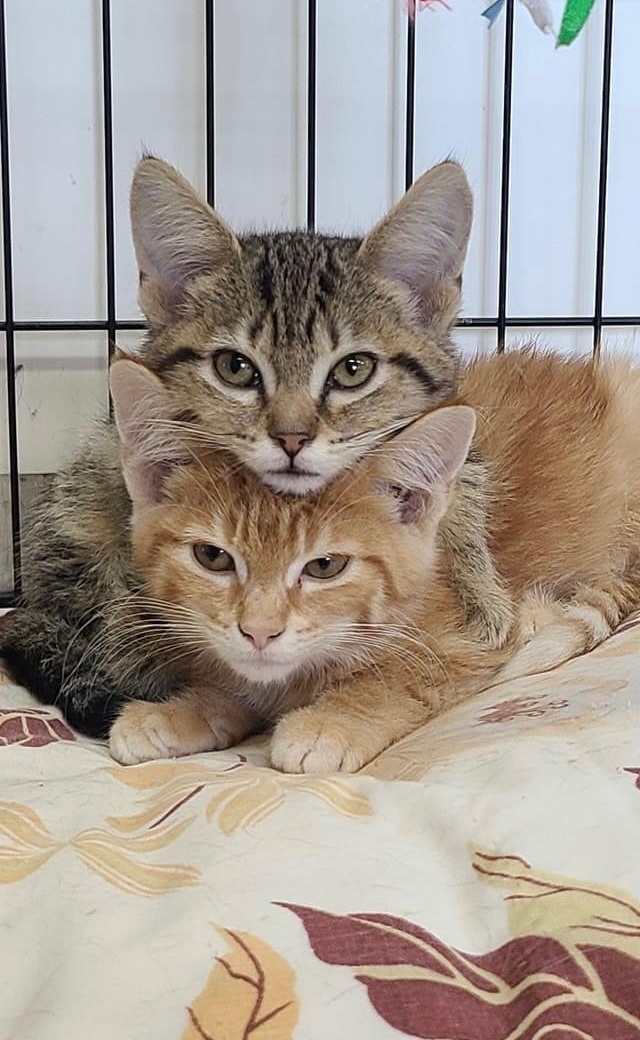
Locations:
(212, 558)
(326, 567)
(235, 369)
(354, 370)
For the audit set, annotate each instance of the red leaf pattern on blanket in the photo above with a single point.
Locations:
(517, 707)
(529, 988)
(31, 727)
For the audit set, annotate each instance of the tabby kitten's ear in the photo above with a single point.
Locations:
(422, 242)
(150, 448)
(176, 236)
(419, 465)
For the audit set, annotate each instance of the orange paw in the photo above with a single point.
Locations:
(309, 741)
(169, 729)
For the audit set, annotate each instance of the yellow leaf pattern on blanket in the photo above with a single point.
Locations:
(247, 794)
(249, 995)
(551, 904)
(30, 846)
(116, 859)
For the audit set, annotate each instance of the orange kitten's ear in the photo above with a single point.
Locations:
(418, 466)
(150, 448)
(176, 236)
(422, 242)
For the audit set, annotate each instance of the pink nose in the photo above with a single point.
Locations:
(292, 443)
(260, 635)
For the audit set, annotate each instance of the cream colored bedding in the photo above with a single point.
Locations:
(479, 881)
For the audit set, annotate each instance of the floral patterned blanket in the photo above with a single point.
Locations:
(479, 881)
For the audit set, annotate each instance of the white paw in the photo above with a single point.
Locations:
(492, 624)
(304, 744)
(139, 740)
(145, 731)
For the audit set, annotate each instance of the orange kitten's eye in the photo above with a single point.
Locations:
(235, 369)
(212, 558)
(326, 567)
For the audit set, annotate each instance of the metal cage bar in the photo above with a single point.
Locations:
(107, 144)
(550, 321)
(410, 105)
(312, 108)
(8, 323)
(505, 174)
(210, 109)
(607, 53)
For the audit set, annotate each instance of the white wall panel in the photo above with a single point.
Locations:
(360, 45)
(622, 281)
(475, 341)
(260, 116)
(61, 385)
(459, 69)
(53, 56)
(158, 105)
(622, 340)
(563, 340)
(554, 169)
(130, 341)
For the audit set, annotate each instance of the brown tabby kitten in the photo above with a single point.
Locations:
(335, 616)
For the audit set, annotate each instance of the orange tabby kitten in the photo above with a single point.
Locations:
(335, 617)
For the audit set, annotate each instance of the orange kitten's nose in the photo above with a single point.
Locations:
(292, 443)
(260, 635)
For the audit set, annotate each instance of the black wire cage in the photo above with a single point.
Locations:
(500, 322)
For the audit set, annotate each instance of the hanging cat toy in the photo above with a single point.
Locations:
(574, 18)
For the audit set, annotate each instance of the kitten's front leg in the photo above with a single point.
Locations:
(190, 722)
(488, 607)
(346, 727)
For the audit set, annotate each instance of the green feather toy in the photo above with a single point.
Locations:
(574, 18)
